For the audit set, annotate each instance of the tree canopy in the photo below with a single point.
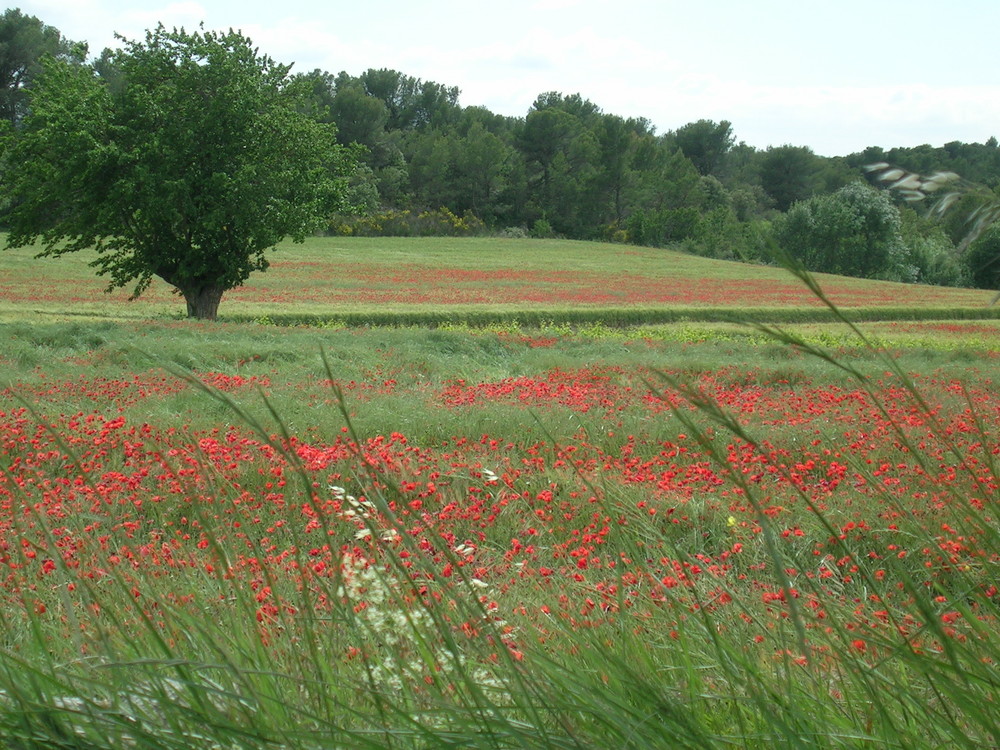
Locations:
(186, 159)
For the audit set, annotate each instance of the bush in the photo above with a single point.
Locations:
(657, 228)
(542, 229)
(853, 232)
(718, 235)
(614, 232)
(982, 260)
(931, 251)
(937, 262)
(406, 223)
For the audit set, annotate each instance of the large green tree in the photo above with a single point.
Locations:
(195, 162)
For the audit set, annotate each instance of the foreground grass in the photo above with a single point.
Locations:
(497, 538)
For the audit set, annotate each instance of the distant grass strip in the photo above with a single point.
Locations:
(612, 317)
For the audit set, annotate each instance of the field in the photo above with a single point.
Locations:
(241, 534)
(338, 279)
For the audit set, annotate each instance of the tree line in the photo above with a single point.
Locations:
(569, 169)
(404, 156)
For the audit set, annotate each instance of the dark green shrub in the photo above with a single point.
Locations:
(853, 232)
(663, 226)
(982, 260)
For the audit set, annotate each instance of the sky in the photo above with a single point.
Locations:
(836, 77)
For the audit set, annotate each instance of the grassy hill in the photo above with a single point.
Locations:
(482, 280)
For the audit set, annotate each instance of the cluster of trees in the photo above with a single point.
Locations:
(569, 169)
(187, 155)
(566, 167)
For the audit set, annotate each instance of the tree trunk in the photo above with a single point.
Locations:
(203, 302)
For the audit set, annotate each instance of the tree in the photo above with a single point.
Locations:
(189, 169)
(544, 136)
(359, 118)
(24, 40)
(788, 173)
(483, 163)
(430, 162)
(573, 104)
(705, 143)
(932, 251)
(412, 104)
(854, 232)
(620, 142)
(667, 180)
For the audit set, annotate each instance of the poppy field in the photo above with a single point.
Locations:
(508, 538)
(239, 535)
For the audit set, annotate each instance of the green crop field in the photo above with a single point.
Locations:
(594, 531)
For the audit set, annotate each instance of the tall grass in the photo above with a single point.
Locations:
(382, 650)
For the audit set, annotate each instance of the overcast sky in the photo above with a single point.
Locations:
(836, 77)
